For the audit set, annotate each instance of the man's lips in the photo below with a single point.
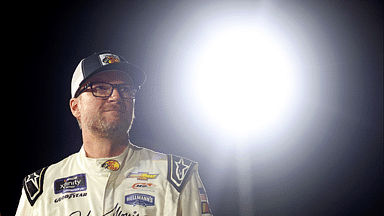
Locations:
(114, 108)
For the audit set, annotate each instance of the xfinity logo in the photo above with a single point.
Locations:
(71, 184)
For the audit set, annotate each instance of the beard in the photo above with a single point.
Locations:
(109, 125)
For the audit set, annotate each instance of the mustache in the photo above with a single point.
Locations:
(114, 107)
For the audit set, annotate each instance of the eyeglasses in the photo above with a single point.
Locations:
(104, 90)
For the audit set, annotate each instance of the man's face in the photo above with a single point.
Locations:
(110, 116)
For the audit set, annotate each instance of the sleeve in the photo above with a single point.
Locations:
(193, 198)
(183, 175)
(24, 208)
(32, 189)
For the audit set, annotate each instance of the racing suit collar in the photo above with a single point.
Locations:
(112, 165)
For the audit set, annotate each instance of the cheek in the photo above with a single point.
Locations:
(89, 109)
(130, 106)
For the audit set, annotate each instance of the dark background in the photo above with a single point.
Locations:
(341, 174)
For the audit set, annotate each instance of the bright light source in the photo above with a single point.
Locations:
(242, 80)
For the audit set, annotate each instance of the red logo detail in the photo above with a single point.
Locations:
(142, 185)
(111, 165)
(110, 59)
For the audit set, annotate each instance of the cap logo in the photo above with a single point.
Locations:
(108, 58)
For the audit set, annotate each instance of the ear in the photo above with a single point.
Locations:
(74, 106)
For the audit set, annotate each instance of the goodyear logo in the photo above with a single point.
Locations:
(142, 176)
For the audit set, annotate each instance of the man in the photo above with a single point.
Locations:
(109, 175)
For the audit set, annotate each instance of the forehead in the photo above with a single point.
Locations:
(114, 77)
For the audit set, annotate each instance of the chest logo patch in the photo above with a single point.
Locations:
(140, 199)
(143, 185)
(142, 176)
(71, 184)
(111, 165)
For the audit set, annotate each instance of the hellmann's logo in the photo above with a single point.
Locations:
(140, 199)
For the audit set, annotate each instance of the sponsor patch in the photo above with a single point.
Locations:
(142, 176)
(70, 196)
(140, 199)
(33, 185)
(203, 195)
(111, 165)
(204, 201)
(71, 184)
(178, 170)
(143, 185)
(205, 208)
(108, 58)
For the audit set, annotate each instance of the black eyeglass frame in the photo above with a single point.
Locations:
(114, 86)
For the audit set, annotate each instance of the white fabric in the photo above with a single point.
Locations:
(139, 187)
(77, 78)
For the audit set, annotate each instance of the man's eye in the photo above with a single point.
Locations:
(126, 88)
(100, 87)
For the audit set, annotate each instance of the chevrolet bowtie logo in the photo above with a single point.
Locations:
(142, 176)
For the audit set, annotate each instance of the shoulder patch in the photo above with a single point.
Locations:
(33, 185)
(179, 169)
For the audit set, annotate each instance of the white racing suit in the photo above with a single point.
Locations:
(136, 183)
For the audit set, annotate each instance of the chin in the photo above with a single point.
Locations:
(118, 126)
(111, 125)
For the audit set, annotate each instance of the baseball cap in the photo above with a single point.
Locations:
(105, 61)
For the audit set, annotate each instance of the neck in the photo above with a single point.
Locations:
(103, 147)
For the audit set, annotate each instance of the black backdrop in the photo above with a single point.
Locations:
(47, 41)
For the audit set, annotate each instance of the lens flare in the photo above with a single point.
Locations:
(242, 80)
